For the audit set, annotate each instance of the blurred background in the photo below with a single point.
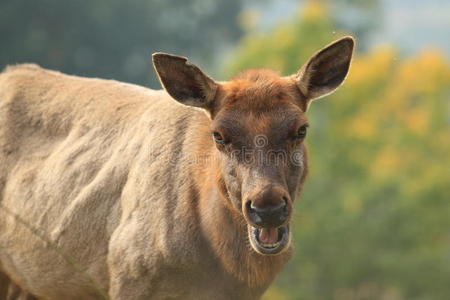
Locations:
(374, 219)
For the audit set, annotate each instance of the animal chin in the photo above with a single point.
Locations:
(269, 241)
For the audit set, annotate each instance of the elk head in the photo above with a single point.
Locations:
(259, 125)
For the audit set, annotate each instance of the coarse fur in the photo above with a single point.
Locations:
(111, 190)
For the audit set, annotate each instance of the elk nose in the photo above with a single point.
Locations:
(268, 216)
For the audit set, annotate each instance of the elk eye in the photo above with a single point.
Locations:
(218, 138)
(301, 133)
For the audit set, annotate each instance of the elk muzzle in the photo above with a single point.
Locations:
(267, 212)
(270, 207)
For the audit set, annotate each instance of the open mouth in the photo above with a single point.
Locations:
(269, 241)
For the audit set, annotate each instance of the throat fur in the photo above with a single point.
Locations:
(230, 243)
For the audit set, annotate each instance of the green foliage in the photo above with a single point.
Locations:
(373, 222)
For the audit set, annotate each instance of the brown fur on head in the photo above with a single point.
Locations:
(258, 123)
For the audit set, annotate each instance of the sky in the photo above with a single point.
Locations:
(416, 24)
(410, 25)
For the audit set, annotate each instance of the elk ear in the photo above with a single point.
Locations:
(184, 81)
(326, 70)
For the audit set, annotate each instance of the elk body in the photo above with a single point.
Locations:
(110, 190)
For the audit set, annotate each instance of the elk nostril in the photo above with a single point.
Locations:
(249, 205)
(252, 212)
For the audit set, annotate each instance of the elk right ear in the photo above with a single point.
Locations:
(184, 81)
(326, 70)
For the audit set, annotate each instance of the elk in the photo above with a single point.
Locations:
(111, 190)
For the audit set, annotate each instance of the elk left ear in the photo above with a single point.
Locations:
(326, 70)
(184, 81)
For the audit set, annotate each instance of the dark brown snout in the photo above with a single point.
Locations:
(268, 208)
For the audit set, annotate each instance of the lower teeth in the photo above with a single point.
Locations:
(269, 245)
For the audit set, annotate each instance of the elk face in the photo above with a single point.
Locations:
(263, 158)
(258, 125)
